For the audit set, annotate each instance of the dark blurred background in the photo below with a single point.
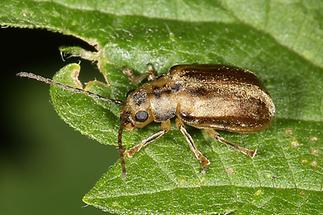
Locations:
(45, 166)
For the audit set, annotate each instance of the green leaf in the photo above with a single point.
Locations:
(281, 41)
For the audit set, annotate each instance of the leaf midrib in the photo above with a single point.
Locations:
(173, 189)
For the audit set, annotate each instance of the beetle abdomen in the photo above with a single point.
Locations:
(232, 100)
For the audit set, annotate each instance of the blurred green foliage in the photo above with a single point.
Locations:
(41, 171)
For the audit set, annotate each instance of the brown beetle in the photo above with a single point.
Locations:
(205, 96)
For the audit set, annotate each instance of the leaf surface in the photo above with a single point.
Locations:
(280, 41)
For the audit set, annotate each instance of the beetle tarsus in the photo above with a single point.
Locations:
(249, 152)
(199, 156)
(150, 74)
(130, 152)
(135, 79)
(204, 161)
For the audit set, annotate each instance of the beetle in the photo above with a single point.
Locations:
(209, 97)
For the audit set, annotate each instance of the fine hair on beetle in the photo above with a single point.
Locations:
(209, 97)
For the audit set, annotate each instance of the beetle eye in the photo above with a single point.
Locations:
(141, 116)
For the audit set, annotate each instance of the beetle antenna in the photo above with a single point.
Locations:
(121, 149)
(66, 87)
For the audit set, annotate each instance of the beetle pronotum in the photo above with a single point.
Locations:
(205, 96)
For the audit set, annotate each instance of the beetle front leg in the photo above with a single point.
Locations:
(165, 126)
(215, 135)
(150, 74)
(199, 156)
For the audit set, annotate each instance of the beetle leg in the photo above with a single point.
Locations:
(150, 74)
(130, 152)
(165, 126)
(199, 156)
(214, 134)
(132, 77)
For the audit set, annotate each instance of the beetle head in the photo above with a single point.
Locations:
(136, 111)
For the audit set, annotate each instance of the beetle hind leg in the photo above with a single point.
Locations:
(215, 135)
(199, 156)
